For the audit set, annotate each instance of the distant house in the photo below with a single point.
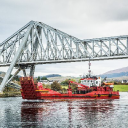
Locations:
(124, 81)
(48, 81)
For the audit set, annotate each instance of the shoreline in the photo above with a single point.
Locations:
(10, 94)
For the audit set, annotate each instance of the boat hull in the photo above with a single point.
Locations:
(75, 97)
(32, 91)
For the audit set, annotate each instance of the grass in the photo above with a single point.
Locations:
(66, 87)
(121, 88)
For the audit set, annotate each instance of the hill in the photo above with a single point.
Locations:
(121, 74)
(62, 78)
(52, 75)
(124, 69)
(116, 73)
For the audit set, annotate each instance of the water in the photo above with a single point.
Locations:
(15, 112)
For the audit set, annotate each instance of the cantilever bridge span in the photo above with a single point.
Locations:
(38, 43)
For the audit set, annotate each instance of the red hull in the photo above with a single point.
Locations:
(74, 96)
(32, 91)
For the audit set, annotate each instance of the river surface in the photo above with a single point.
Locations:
(16, 112)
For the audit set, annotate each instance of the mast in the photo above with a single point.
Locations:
(89, 70)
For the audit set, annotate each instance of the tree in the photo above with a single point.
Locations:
(41, 78)
(56, 86)
(16, 78)
(79, 81)
(66, 82)
(46, 86)
(74, 87)
(44, 78)
(38, 78)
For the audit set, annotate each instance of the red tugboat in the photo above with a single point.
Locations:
(90, 87)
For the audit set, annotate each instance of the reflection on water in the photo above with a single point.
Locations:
(30, 113)
(64, 114)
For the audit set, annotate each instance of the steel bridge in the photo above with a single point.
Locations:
(38, 43)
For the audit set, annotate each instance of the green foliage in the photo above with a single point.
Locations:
(41, 78)
(38, 78)
(10, 89)
(47, 86)
(119, 83)
(14, 78)
(56, 86)
(79, 81)
(74, 87)
(44, 78)
(115, 83)
(10, 76)
(64, 90)
(122, 83)
(73, 80)
(66, 82)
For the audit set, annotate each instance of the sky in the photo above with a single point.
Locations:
(84, 19)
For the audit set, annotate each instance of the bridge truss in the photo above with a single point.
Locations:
(38, 43)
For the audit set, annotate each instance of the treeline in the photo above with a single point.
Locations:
(41, 78)
(119, 83)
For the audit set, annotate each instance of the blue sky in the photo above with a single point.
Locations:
(84, 19)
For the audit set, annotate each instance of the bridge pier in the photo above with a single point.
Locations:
(16, 57)
(32, 70)
(21, 67)
(13, 76)
(24, 72)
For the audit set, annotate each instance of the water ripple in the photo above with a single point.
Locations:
(15, 112)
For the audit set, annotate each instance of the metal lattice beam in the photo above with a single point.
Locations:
(49, 45)
(38, 43)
